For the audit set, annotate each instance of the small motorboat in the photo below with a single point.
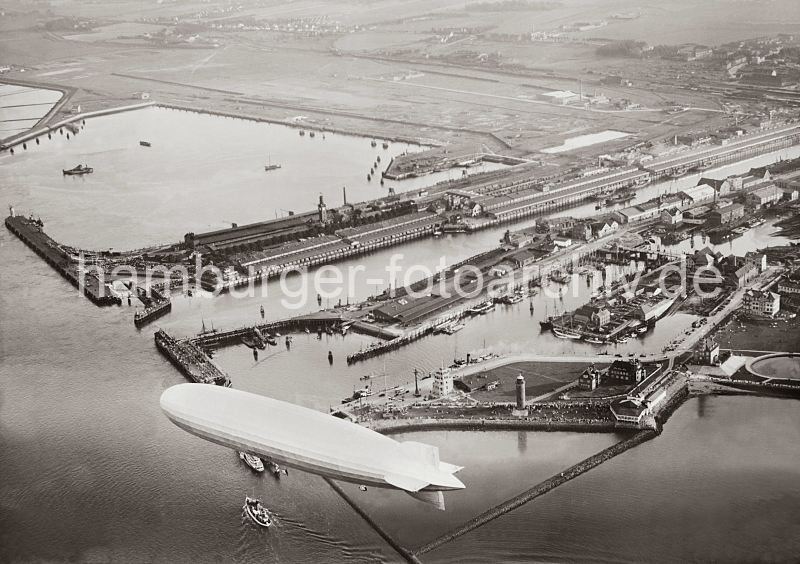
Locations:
(253, 462)
(257, 512)
(145, 143)
(80, 169)
(274, 468)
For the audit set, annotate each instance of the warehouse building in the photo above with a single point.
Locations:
(723, 215)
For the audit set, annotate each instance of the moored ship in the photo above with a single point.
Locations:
(78, 170)
(253, 462)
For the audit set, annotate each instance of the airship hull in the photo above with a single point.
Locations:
(305, 439)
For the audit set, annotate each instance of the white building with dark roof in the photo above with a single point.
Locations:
(761, 302)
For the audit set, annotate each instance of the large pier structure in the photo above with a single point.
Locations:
(31, 232)
(190, 360)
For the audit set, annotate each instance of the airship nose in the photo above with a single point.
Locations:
(174, 397)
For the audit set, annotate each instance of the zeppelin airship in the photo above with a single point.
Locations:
(308, 440)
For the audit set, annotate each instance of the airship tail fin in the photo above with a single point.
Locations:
(434, 498)
(449, 468)
(411, 485)
(428, 453)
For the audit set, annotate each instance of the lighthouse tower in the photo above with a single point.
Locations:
(520, 410)
(323, 211)
(520, 392)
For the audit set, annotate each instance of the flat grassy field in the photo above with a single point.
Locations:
(540, 378)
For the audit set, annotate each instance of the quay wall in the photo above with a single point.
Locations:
(396, 426)
(44, 130)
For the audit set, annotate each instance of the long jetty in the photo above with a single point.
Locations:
(539, 489)
(313, 322)
(31, 232)
(402, 551)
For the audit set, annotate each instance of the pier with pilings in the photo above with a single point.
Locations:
(314, 323)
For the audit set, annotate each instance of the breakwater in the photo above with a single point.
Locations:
(402, 551)
(539, 489)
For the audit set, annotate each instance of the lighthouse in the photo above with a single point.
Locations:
(519, 409)
(323, 211)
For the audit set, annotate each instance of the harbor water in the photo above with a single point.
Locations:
(90, 469)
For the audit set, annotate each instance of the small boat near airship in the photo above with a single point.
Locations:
(309, 440)
(257, 512)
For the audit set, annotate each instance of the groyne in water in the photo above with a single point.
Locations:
(539, 489)
(404, 552)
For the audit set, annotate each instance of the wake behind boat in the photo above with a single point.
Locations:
(257, 512)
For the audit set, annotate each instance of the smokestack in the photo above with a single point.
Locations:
(344, 194)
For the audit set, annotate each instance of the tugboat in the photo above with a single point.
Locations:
(257, 512)
(80, 169)
(253, 462)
